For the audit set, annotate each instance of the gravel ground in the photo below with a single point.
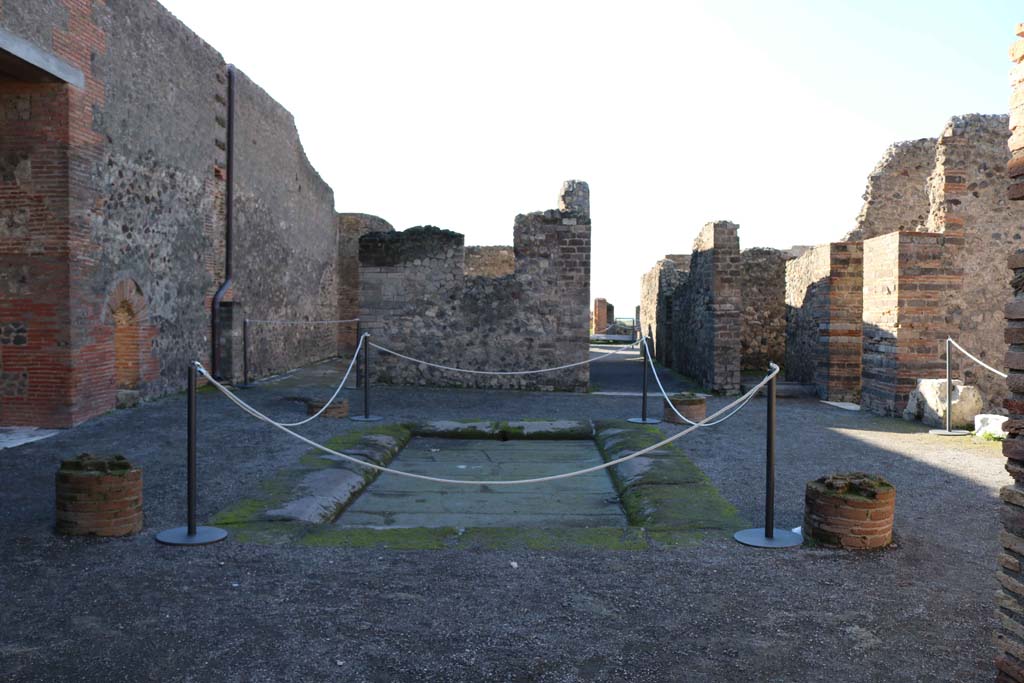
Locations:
(131, 609)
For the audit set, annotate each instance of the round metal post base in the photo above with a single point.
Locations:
(949, 432)
(781, 538)
(366, 418)
(644, 420)
(179, 536)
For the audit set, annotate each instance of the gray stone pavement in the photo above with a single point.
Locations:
(588, 500)
(130, 609)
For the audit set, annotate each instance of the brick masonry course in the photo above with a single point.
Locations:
(1009, 635)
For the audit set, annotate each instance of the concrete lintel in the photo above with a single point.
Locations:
(41, 60)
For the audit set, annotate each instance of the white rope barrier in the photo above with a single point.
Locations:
(341, 385)
(303, 322)
(682, 417)
(976, 359)
(471, 482)
(502, 372)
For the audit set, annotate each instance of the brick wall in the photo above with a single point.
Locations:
(124, 183)
(707, 311)
(911, 286)
(968, 199)
(352, 226)
(600, 319)
(416, 299)
(1009, 636)
(823, 319)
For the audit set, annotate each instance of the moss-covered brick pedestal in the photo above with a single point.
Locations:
(690, 406)
(100, 496)
(850, 511)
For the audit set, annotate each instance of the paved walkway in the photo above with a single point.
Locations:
(621, 374)
(584, 501)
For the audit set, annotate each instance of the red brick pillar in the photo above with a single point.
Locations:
(99, 496)
(1009, 636)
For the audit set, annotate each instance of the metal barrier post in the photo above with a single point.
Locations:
(245, 351)
(191, 534)
(366, 417)
(768, 536)
(949, 431)
(643, 419)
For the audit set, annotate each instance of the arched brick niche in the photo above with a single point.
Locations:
(127, 312)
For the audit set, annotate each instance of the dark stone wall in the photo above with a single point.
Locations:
(416, 299)
(763, 328)
(286, 237)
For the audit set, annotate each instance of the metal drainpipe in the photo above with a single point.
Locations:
(228, 223)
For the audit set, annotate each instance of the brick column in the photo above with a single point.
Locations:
(1009, 636)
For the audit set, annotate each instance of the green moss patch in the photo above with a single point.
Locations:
(663, 491)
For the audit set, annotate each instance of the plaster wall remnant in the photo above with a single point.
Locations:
(415, 298)
(1009, 637)
(490, 261)
(896, 197)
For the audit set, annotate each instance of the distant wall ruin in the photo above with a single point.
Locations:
(416, 298)
(896, 197)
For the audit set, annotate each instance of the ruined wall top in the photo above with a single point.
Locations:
(896, 197)
(575, 198)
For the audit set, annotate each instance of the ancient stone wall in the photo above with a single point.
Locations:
(706, 313)
(286, 238)
(823, 319)
(912, 282)
(763, 328)
(968, 195)
(416, 299)
(352, 226)
(127, 181)
(1009, 637)
(490, 261)
(807, 300)
(599, 320)
(896, 197)
(657, 289)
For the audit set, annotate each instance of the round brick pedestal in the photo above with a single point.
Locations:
(850, 511)
(99, 496)
(694, 408)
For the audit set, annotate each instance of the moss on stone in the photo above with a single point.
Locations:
(532, 538)
(420, 538)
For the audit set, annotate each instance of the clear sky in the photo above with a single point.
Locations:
(463, 114)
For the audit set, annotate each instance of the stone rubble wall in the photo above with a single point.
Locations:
(490, 261)
(1009, 636)
(415, 298)
(657, 289)
(807, 304)
(707, 311)
(763, 328)
(896, 197)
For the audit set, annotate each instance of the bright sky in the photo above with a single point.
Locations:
(463, 114)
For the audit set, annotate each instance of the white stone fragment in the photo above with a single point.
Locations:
(989, 425)
(927, 403)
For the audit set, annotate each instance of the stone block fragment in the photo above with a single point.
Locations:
(927, 403)
(990, 425)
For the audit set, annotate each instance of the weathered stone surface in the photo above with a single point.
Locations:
(896, 197)
(763, 315)
(490, 261)
(989, 425)
(928, 403)
(127, 398)
(416, 299)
